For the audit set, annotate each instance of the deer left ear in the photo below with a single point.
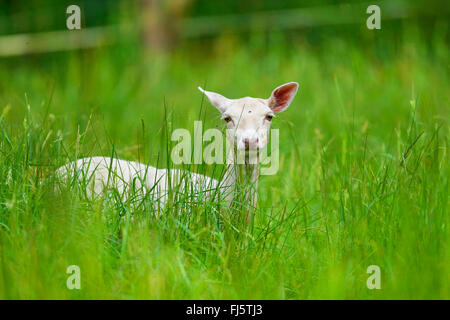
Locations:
(282, 97)
(217, 100)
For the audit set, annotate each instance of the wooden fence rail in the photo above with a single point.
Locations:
(195, 27)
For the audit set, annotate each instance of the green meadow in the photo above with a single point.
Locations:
(363, 177)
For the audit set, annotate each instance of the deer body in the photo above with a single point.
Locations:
(248, 121)
(132, 178)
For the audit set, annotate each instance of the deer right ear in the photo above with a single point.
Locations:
(281, 97)
(217, 100)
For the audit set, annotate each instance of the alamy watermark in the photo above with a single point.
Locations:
(190, 150)
(73, 21)
(74, 280)
(374, 20)
(374, 280)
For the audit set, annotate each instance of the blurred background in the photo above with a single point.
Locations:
(136, 62)
(362, 147)
(169, 24)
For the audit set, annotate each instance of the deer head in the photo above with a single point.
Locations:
(249, 119)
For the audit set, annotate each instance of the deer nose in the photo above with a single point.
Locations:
(248, 142)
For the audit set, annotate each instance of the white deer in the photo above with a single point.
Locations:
(248, 120)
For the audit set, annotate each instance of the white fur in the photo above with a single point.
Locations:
(133, 178)
(250, 129)
(248, 115)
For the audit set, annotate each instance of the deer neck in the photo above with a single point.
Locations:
(241, 177)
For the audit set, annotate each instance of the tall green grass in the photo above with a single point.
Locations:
(363, 176)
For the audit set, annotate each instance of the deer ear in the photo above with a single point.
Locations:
(282, 97)
(217, 100)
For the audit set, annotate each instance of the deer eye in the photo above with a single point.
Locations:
(269, 117)
(227, 119)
